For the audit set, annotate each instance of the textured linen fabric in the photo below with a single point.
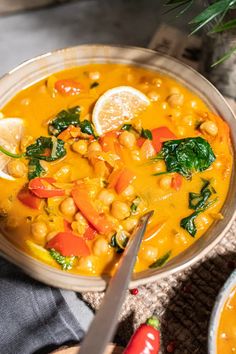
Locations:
(34, 318)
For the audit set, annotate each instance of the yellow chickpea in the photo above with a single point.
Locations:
(100, 247)
(165, 182)
(130, 223)
(106, 197)
(68, 207)
(80, 224)
(209, 127)
(39, 231)
(94, 147)
(81, 147)
(127, 139)
(149, 253)
(175, 99)
(120, 210)
(16, 168)
(88, 264)
(153, 95)
(129, 192)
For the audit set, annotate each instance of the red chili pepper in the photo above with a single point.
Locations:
(42, 187)
(29, 199)
(146, 339)
(68, 87)
(69, 244)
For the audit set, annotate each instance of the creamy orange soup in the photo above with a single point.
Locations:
(226, 336)
(76, 197)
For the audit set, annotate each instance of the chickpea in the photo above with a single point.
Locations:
(16, 168)
(159, 166)
(120, 210)
(149, 253)
(106, 197)
(130, 223)
(175, 100)
(68, 207)
(209, 127)
(80, 224)
(94, 75)
(94, 147)
(165, 182)
(81, 147)
(101, 169)
(39, 230)
(153, 95)
(100, 247)
(88, 263)
(128, 192)
(127, 139)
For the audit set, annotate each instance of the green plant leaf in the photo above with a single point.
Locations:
(46, 148)
(87, 127)
(66, 263)
(63, 120)
(224, 57)
(146, 134)
(35, 169)
(127, 127)
(224, 26)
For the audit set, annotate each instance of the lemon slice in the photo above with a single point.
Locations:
(117, 106)
(40, 252)
(11, 130)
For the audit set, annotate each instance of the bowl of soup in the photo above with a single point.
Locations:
(91, 138)
(222, 329)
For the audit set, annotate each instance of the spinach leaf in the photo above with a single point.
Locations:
(146, 134)
(161, 261)
(46, 148)
(35, 169)
(135, 204)
(86, 127)
(66, 263)
(63, 119)
(94, 84)
(198, 200)
(186, 156)
(127, 127)
(119, 241)
(188, 223)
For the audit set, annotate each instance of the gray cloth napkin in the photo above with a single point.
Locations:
(34, 318)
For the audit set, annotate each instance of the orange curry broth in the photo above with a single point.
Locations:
(226, 336)
(37, 106)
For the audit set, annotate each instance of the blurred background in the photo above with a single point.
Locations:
(32, 27)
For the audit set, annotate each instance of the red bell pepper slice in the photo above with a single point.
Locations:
(90, 233)
(68, 244)
(159, 135)
(83, 202)
(176, 182)
(146, 338)
(67, 226)
(68, 87)
(42, 187)
(124, 180)
(108, 140)
(29, 199)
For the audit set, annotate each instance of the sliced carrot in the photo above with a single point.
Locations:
(69, 244)
(68, 87)
(114, 177)
(124, 180)
(176, 181)
(107, 141)
(83, 202)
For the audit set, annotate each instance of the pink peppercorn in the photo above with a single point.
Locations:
(134, 291)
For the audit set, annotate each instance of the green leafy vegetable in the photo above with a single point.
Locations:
(161, 261)
(135, 204)
(63, 120)
(46, 148)
(94, 84)
(86, 127)
(127, 127)
(186, 156)
(146, 133)
(119, 241)
(66, 263)
(35, 169)
(188, 223)
(198, 200)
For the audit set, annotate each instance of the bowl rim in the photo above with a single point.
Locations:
(152, 277)
(221, 298)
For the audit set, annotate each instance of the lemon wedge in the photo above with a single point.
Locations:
(40, 252)
(11, 130)
(117, 106)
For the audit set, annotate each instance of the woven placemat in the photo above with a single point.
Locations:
(183, 301)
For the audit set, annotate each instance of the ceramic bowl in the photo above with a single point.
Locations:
(223, 295)
(38, 68)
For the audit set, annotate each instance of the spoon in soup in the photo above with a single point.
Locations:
(104, 324)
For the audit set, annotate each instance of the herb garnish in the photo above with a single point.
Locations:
(127, 127)
(35, 169)
(86, 127)
(186, 156)
(119, 241)
(66, 263)
(46, 148)
(63, 120)
(146, 134)
(135, 204)
(161, 261)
